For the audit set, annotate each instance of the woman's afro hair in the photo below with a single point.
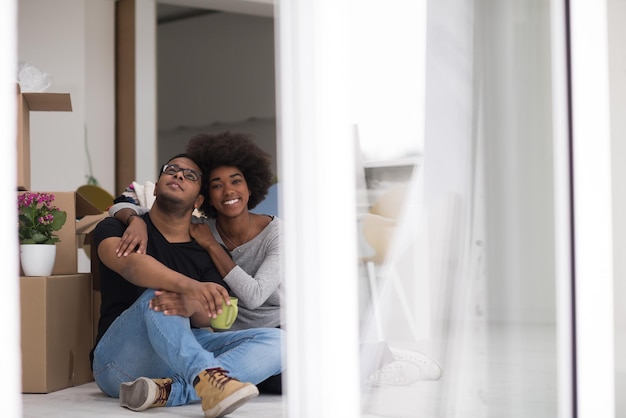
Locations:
(232, 149)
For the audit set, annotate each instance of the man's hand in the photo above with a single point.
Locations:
(171, 303)
(210, 296)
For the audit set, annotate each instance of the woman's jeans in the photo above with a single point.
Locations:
(142, 342)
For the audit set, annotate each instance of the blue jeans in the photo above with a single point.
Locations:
(142, 342)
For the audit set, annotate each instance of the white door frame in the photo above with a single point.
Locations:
(592, 208)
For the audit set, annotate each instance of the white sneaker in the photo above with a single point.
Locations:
(396, 373)
(409, 367)
(431, 370)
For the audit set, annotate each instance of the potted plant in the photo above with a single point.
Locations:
(38, 219)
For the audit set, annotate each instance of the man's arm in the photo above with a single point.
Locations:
(145, 271)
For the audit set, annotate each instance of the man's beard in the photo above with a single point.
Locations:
(173, 205)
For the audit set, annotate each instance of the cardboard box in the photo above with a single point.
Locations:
(82, 218)
(57, 332)
(26, 103)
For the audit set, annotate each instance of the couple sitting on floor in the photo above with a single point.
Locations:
(164, 277)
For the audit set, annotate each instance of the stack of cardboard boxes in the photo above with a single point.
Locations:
(57, 315)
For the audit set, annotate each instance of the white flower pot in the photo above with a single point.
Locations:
(37, 259)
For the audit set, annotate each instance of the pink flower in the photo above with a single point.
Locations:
(38, 218)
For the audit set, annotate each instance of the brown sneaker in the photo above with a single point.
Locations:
(221, 394)
(144, 393)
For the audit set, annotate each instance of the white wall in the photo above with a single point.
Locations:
(146, 164)
(100, 89)
(516, 133)
(73, 40)
(617, 63)
(216, 73)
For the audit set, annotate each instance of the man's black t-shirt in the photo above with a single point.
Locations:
(118, 294)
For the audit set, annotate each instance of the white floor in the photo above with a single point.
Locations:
(499, 371)
(88, 401)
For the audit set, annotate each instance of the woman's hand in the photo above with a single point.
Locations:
(202, 234)
(135, 237)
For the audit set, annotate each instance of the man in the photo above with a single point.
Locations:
(148, 358)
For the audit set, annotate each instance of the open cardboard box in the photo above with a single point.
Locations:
(82, 218)
(26, 103)
(57, 332)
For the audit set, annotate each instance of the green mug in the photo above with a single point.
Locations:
(226, 319)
